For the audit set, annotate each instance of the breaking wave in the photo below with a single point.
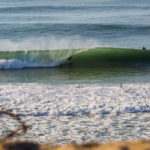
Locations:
(93, 57)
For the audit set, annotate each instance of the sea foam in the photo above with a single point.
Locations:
(19, 64)
(44, 100)
(78, 112)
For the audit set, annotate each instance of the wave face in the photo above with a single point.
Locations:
(94, 57)
(100, 56)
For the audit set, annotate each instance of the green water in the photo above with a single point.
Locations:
(93, 57)
(102, 75)
(104, 65)
(106, 56)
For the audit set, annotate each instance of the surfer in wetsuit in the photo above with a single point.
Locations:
(69, 58)
(143, 48)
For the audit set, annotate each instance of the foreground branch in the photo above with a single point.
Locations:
(22, 129)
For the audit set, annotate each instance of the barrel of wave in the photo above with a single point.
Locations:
(102, 56)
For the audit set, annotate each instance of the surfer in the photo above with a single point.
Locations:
(143, 48)
(69, 58)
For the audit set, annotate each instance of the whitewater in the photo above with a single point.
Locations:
(80, 112)
(76, 71)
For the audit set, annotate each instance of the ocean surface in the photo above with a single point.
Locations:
(75, 70)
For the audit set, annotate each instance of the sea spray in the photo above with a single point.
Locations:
(48, 43)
